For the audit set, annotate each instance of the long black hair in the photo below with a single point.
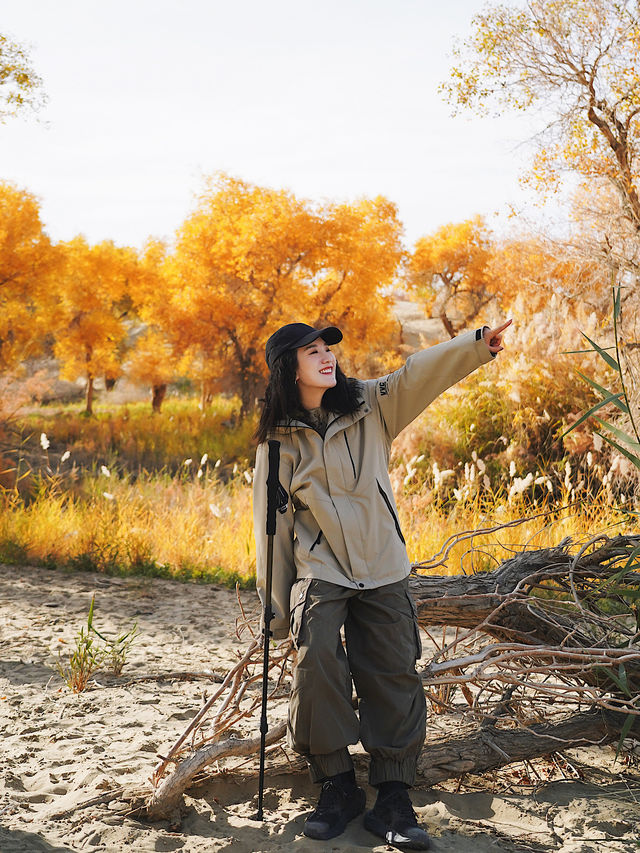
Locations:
(282, 401)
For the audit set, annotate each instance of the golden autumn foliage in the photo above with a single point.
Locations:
(93, 302)
(247, 260)
(152, 360)
(362, 252)
(27, 264)
(532, 270)
(576, 61)
(250, 259)
(461, 269)
(451, 272)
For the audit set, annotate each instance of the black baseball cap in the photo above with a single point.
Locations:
(295, 335)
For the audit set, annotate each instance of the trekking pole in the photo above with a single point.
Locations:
(272, 494)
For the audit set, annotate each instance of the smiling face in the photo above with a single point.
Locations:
(316, 372)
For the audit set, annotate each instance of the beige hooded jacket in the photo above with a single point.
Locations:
(337, 518)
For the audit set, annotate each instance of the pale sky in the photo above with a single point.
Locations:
(331, 99)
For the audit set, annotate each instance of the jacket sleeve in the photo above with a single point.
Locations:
(284, 570)
(402, 395)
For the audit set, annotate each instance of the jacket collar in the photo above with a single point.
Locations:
(339, 423)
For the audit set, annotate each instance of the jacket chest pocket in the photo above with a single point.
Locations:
(350, 455)
(348, 462)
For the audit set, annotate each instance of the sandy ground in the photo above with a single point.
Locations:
(60, 750)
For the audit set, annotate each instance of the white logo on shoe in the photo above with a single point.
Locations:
(395, 838)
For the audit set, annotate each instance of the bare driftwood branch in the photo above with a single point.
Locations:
(166, 799)
(547, 629)
(564, 607)
(159, 769)
(490, 748)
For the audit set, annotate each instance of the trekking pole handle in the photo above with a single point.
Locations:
(272, 486)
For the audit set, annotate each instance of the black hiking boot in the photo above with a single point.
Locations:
(340, 801)
(394, 819)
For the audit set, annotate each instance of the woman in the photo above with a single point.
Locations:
(340, 562)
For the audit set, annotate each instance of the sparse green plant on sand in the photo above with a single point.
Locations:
(115, 651)
(93, 651)
(84, 659)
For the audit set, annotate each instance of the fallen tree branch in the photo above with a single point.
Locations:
(167, 798)
(159, 769)
(547, 629)
(489, 749)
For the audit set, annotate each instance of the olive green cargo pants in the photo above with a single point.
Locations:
(382, 644)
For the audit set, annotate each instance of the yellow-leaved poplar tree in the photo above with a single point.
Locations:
(93, 304)
(152, 359)
(575, 62)
(250, 259)
(27, 265)
(450, 271)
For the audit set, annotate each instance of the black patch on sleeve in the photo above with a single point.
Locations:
(282, 499)
(383, 388)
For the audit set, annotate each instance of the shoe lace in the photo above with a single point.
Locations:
(331, 798)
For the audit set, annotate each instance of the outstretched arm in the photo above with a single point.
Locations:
(403, 394)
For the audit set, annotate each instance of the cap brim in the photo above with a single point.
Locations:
(330, 335)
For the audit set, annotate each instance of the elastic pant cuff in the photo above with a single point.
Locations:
(381, 770)
(329, 764)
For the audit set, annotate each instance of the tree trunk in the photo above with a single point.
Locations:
(490, 748)
(246, 399)
(158, 393)
(448, 325)
(89, 406)
(206, 394)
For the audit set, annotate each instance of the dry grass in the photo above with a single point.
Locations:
(197, 529)
(428, 525)
(202, 528)
(487, 452)
(131, 438)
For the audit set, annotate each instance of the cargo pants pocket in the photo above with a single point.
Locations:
(297, 604)
(416, 626)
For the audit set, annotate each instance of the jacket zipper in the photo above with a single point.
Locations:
(390, 508)
(317, 541)
(350, 456)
